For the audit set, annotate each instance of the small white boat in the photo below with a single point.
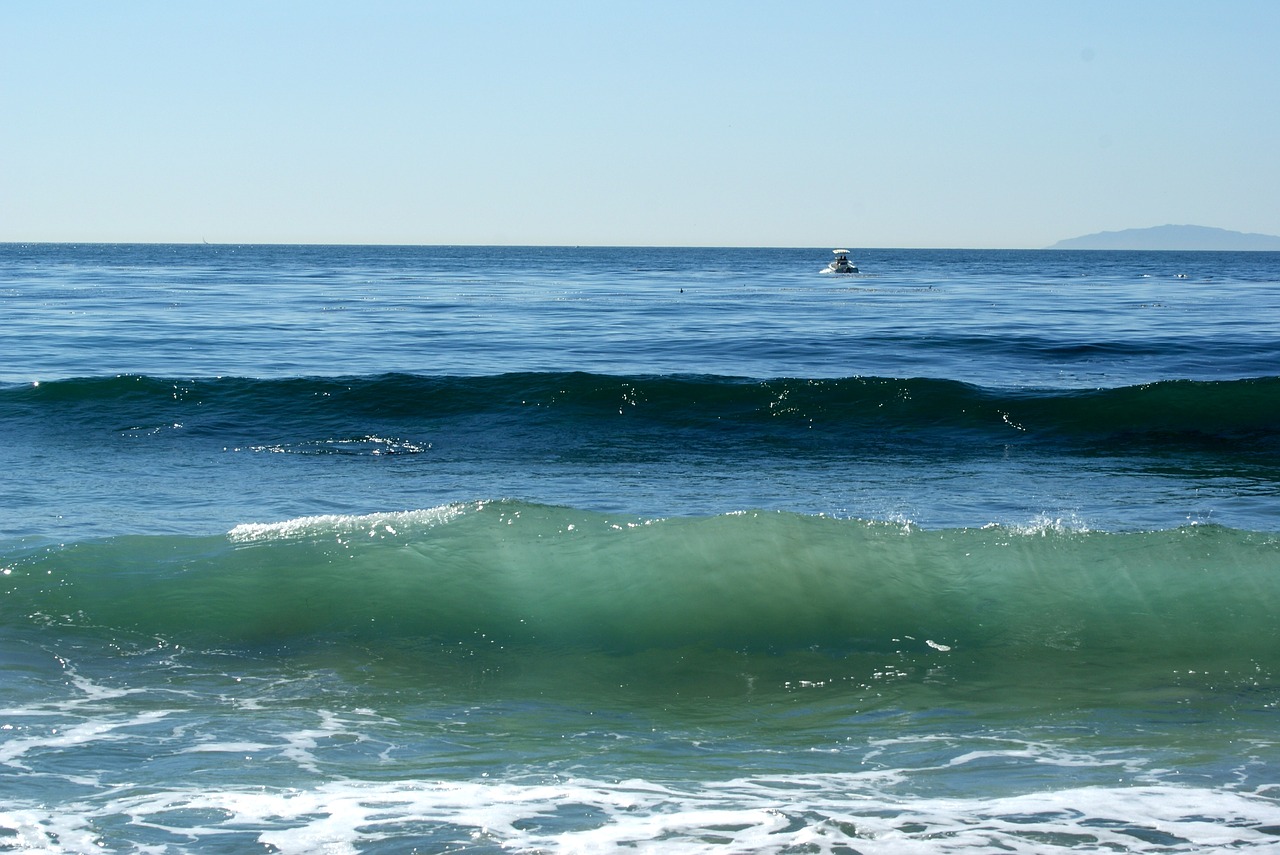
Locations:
(841, 263)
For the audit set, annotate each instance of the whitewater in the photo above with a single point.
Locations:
(479, 549)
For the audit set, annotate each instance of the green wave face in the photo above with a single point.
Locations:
(537, 579)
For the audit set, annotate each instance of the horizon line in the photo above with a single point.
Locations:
(202, 242)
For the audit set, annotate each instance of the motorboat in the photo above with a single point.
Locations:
(841, 264)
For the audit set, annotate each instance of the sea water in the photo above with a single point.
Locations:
(456, 549)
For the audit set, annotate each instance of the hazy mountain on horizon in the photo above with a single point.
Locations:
(1173, 238)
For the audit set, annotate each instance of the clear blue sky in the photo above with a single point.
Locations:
(868, 124)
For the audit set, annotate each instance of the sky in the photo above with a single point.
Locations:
(651, 123)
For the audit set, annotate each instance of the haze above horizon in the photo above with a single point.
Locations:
(985, 125)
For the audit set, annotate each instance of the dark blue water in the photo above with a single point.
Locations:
(388, 549)
(1008, 319)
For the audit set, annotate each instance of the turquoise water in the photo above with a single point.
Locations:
(391, 549)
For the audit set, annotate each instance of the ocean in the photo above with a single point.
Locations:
(326, 549)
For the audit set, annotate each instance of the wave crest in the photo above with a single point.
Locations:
(381, 413)
(535, 577)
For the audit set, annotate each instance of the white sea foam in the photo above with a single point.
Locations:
(892, 803)
(94, 730)
(822, 813)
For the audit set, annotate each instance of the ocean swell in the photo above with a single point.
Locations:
(306, 414)
(535, 577)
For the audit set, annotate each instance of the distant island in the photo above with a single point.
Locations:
(1173, 238)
